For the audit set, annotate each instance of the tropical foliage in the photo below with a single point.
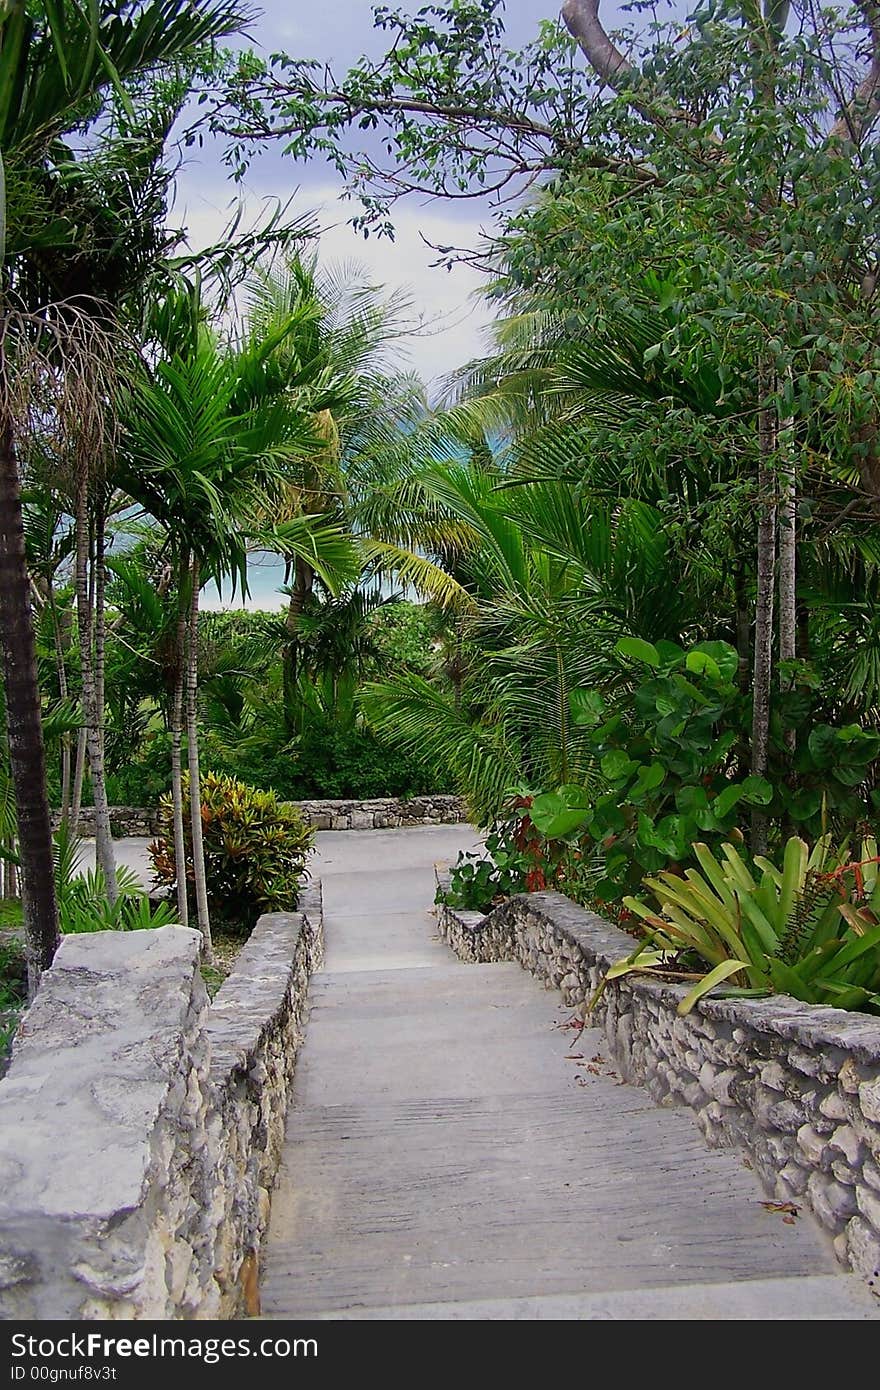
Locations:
(810, 928)
(255, 850)
(619, 588)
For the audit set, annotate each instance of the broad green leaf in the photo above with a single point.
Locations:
(725, 657)
(617, 765)
(554, 816)
(670, 653)
(650, 776)
(727, 799)
(757, 791)
(702, 664)
(638, 650)
(715, 977)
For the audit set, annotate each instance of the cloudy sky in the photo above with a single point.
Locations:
(446, 301)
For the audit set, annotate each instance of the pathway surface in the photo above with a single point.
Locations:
(448, 1157)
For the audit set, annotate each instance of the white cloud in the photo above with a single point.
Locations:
(446, 303)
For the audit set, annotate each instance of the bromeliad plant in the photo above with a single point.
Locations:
(810, 929)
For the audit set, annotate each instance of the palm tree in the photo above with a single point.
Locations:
(335, 356)
(553, 579)
(211, 433)
(56, 64)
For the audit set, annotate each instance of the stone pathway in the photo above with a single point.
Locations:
(447, 1157)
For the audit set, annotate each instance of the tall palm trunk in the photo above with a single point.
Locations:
(744, 654)
(100, 621)
(86, 616)
(61, 668)
(177, 741)
(23, 713)
(788, 614)
(192, 745)
(79, 769)
(79, 772)
(303, 582)
(10, 877)
(763, 661)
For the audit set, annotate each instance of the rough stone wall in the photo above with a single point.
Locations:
(254, 1030)
(795, 1085)
(124, 820)
(140, 1126)
(383, 813)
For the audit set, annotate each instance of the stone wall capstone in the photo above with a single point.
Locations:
(382, 813)
(797, 1086)
(141, 1126)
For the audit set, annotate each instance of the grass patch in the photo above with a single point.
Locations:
(13, 992)
(227, 945)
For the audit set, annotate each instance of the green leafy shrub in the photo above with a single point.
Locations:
(667, 759)
(353, 763)
(322, 763)
(255, 850)
(810, 928)
(13, 992)
(143, 779)
(832, 780)
(515, 860)
(83, 904)
(666, 764)
(474, 884)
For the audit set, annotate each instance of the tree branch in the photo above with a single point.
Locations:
(583, 23)
(863, 107)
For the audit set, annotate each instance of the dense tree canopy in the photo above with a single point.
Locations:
(619, 590)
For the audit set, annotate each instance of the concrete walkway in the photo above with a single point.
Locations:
(454, 1151)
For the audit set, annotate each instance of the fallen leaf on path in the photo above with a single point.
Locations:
(787, 1210)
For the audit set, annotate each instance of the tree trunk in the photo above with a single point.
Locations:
(79, 769)
(303, 581)
(763, 661)
(80, 765)
(788, 570)
(100, 615)
(104, 852)
(744, 653)
(192, 745)
(176, 741)
(23, 713)
(63, 693)
(10, 879)
(803, 632)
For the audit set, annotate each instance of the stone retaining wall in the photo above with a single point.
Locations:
(141, 1126)
(383, 813)
(797, 1086)
(124, 820)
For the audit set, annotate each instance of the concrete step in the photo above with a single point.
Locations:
(817, 1298)
(437, 1200)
